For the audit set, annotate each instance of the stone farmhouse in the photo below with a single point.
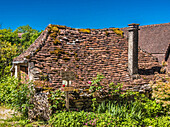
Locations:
(84, 52)
(87, 52)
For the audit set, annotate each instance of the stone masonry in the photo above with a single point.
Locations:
(133, 49)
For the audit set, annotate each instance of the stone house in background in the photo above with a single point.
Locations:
(87, 52)
(155, 39)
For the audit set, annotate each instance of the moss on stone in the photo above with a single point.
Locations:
(106, 33)
(77, 59)
(66, 58)
(44, 77)
(118, 31)
(53, 35)
(55, 29)
(68, 54)
(76, 76)
(38, 49)
(61, 27)
(56, 42)
(75, 54)
(84, 31)
(28, 56)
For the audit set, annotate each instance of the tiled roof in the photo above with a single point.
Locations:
(85, 52)
(153, 38)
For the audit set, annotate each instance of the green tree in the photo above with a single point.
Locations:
(7, 52)
(26, 29)
(9, 36)
(29, 35)
(11, 45)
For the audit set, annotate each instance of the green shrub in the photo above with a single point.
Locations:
(163, 121)
(57, 99)
(96, 85)
(161, 91)
(15, 94)
(79, 119)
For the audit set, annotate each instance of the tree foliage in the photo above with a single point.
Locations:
(12, 45)
(7, 52)
(28, 35)
(26, 29)
(9, 36)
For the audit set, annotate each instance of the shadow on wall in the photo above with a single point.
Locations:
(149, 71)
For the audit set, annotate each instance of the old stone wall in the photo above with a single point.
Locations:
(40, 108)
(80, 99)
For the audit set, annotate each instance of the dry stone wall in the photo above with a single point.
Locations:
(41, 107)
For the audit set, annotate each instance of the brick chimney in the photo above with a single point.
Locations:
(133, 48)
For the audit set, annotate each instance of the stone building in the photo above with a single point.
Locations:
(86, 52)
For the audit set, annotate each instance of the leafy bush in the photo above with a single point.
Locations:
(57, 99)
(15, 94)
(79, 119)
(161, 91)
(96, 86)
(7, 52)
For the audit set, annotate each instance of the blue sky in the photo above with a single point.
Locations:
(83, 13)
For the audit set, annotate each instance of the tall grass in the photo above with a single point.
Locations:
(126, 110)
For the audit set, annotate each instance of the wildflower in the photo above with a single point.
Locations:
(89, 82)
